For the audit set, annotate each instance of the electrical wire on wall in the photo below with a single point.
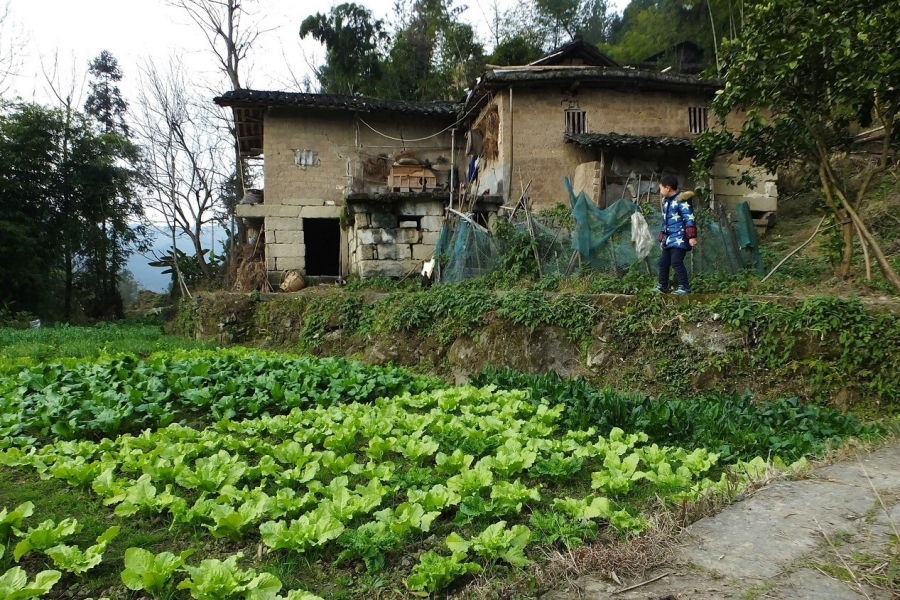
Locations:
(405, 141)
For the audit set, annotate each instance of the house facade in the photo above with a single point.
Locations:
(614, 131)
(361, 187)
(337, 201)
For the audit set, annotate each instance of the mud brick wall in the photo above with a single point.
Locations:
(538, 118)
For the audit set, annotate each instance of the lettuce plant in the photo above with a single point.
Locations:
(435, 572)
(72, 559)
(46, 535)
(151, 573)
(14, 584)
(12, 520)
(215, 579)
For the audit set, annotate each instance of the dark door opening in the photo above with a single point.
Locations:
(322, 238)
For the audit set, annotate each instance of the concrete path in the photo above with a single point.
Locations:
(773, 545)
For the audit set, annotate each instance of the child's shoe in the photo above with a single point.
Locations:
(659, 289)
(682, 291)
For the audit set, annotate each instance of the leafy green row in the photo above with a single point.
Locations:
(127, 394)
(366, 478)
(730, 425)
(210, 580)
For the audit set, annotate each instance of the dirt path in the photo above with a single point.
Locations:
(773, 545)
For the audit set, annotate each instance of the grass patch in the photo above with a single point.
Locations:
(64, 341)
(54, 499)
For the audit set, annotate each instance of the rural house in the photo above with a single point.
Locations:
(352, 185)
(614, 130)
(360, 187)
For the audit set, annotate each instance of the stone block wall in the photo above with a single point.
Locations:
(285, 241)
(762, 198)
(393, 238)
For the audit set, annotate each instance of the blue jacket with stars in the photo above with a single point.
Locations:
(678, 224)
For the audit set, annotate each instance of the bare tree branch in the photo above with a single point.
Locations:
(228, 36)
(187, 155)
(12, 48)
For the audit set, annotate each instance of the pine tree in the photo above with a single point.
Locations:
(115, 204)
(105, 102)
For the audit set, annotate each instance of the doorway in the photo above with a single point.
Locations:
(322, 238)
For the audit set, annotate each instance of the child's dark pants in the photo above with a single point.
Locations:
(674, 258)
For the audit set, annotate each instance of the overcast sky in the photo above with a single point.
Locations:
(136, 31)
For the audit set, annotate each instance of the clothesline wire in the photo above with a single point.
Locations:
(445, 130)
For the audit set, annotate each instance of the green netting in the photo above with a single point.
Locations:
(464, 251)
(603, 240)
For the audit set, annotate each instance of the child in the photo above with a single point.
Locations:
(677, 235)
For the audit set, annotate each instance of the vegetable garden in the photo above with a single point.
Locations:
(267, 476)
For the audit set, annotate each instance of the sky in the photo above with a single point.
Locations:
(137, 31)
(62, 36)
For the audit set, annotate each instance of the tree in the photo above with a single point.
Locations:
(518, 49)
(231, 31)
(105, 102)
(29, 265)
(186, 157)
(802, 72)
(431, 54)
(651, 26)
(434, 56)
(222, 24)
(354, 44)
(114, 237)
(56, 170)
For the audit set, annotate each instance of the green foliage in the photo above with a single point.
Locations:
(431, 55)
(71, 559)
(647, 28)
(309, 531)
(352, 38)
(68, 210)
(518, 49)
(46, 535)
(448, 311)
(64, 341)
(368, 463)
(807, 72)
(369, 542)
(11, 520)
(14, 584)
(151, 573)
(189, 265)
(554, 526)
(435, 572)
(836, 342)
(731, 425)
(495, 543)
(124, 394)
(215, 579)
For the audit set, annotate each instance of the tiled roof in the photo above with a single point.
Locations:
(258, 98)
(620, 140)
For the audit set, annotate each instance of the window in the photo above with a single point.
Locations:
(698, 119)
(306, 158)
(576, 121)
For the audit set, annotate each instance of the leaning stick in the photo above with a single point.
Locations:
(798, 249)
